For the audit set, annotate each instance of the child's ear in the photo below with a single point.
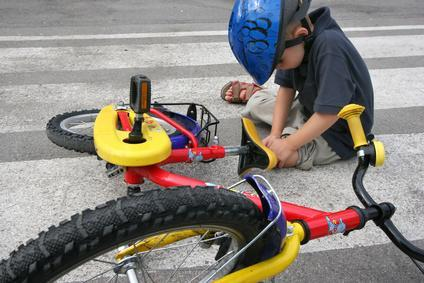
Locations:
(300, 31)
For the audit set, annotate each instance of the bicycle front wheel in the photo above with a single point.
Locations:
(174, 235)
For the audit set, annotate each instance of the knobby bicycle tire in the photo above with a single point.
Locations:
(65, 138)
(64, 247)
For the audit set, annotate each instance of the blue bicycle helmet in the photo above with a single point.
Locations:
(256, 33)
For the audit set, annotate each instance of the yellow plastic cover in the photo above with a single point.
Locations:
(250, 128)
(111, 146)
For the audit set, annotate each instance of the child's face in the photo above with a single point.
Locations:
(293, 56)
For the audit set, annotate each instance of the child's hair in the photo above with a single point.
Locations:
(293, 25)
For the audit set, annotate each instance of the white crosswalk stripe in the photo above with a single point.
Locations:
(49, 190)
(176, 34)
(57, 98)
(120, 36)
(33, 59)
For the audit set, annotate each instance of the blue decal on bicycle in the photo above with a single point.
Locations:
(335, 226)
(194, 157)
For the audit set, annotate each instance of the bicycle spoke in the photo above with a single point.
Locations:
(157, 244)
(100, 274)
(144, 271)
(140, 259)
(116, 278)
(86, 131)
(213, 265)
(197, 244)
(185, 245)
(142, 266)
(104, 261)
(78, 123)
(141, 256)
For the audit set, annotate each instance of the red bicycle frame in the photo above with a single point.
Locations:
(317, 223)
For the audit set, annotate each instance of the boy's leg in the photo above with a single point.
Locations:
(316, 152)
(260, 108)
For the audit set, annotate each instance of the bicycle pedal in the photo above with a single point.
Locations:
(133, 190)
(113, 170)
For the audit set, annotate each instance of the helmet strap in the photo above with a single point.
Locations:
(293, 42)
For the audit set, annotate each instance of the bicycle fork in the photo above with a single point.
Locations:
(127, 266)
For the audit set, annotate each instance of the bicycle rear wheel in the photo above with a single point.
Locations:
(84, 247)
(73, 130)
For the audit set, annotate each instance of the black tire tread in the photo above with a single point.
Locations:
(68, 140)
(92, 231)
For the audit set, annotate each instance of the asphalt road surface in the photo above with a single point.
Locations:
(58, 56)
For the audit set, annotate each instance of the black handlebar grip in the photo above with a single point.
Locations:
(140, 94)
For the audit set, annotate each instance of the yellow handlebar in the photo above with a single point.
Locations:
(351, 114)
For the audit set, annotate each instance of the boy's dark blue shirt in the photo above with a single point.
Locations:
(332, 76)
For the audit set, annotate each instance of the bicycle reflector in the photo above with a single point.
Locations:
(140, 94)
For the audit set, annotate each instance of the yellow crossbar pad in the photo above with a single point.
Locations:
(111, 145)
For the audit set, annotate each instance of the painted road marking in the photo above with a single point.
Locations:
(174, 34)
(389, 84)
(35, 59)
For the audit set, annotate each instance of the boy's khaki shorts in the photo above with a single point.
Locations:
(260, 108)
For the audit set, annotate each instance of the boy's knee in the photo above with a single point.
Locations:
(253, 107)
(306, 156)
(260, 106)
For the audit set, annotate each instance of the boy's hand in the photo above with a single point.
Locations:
(286, 153)
(269, 140)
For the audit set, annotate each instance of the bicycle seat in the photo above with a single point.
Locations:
(258, 155)
(112, 144)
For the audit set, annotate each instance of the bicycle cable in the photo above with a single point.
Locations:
(417, 265)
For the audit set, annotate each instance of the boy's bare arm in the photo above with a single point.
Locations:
(281, 109)
(313, 128)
